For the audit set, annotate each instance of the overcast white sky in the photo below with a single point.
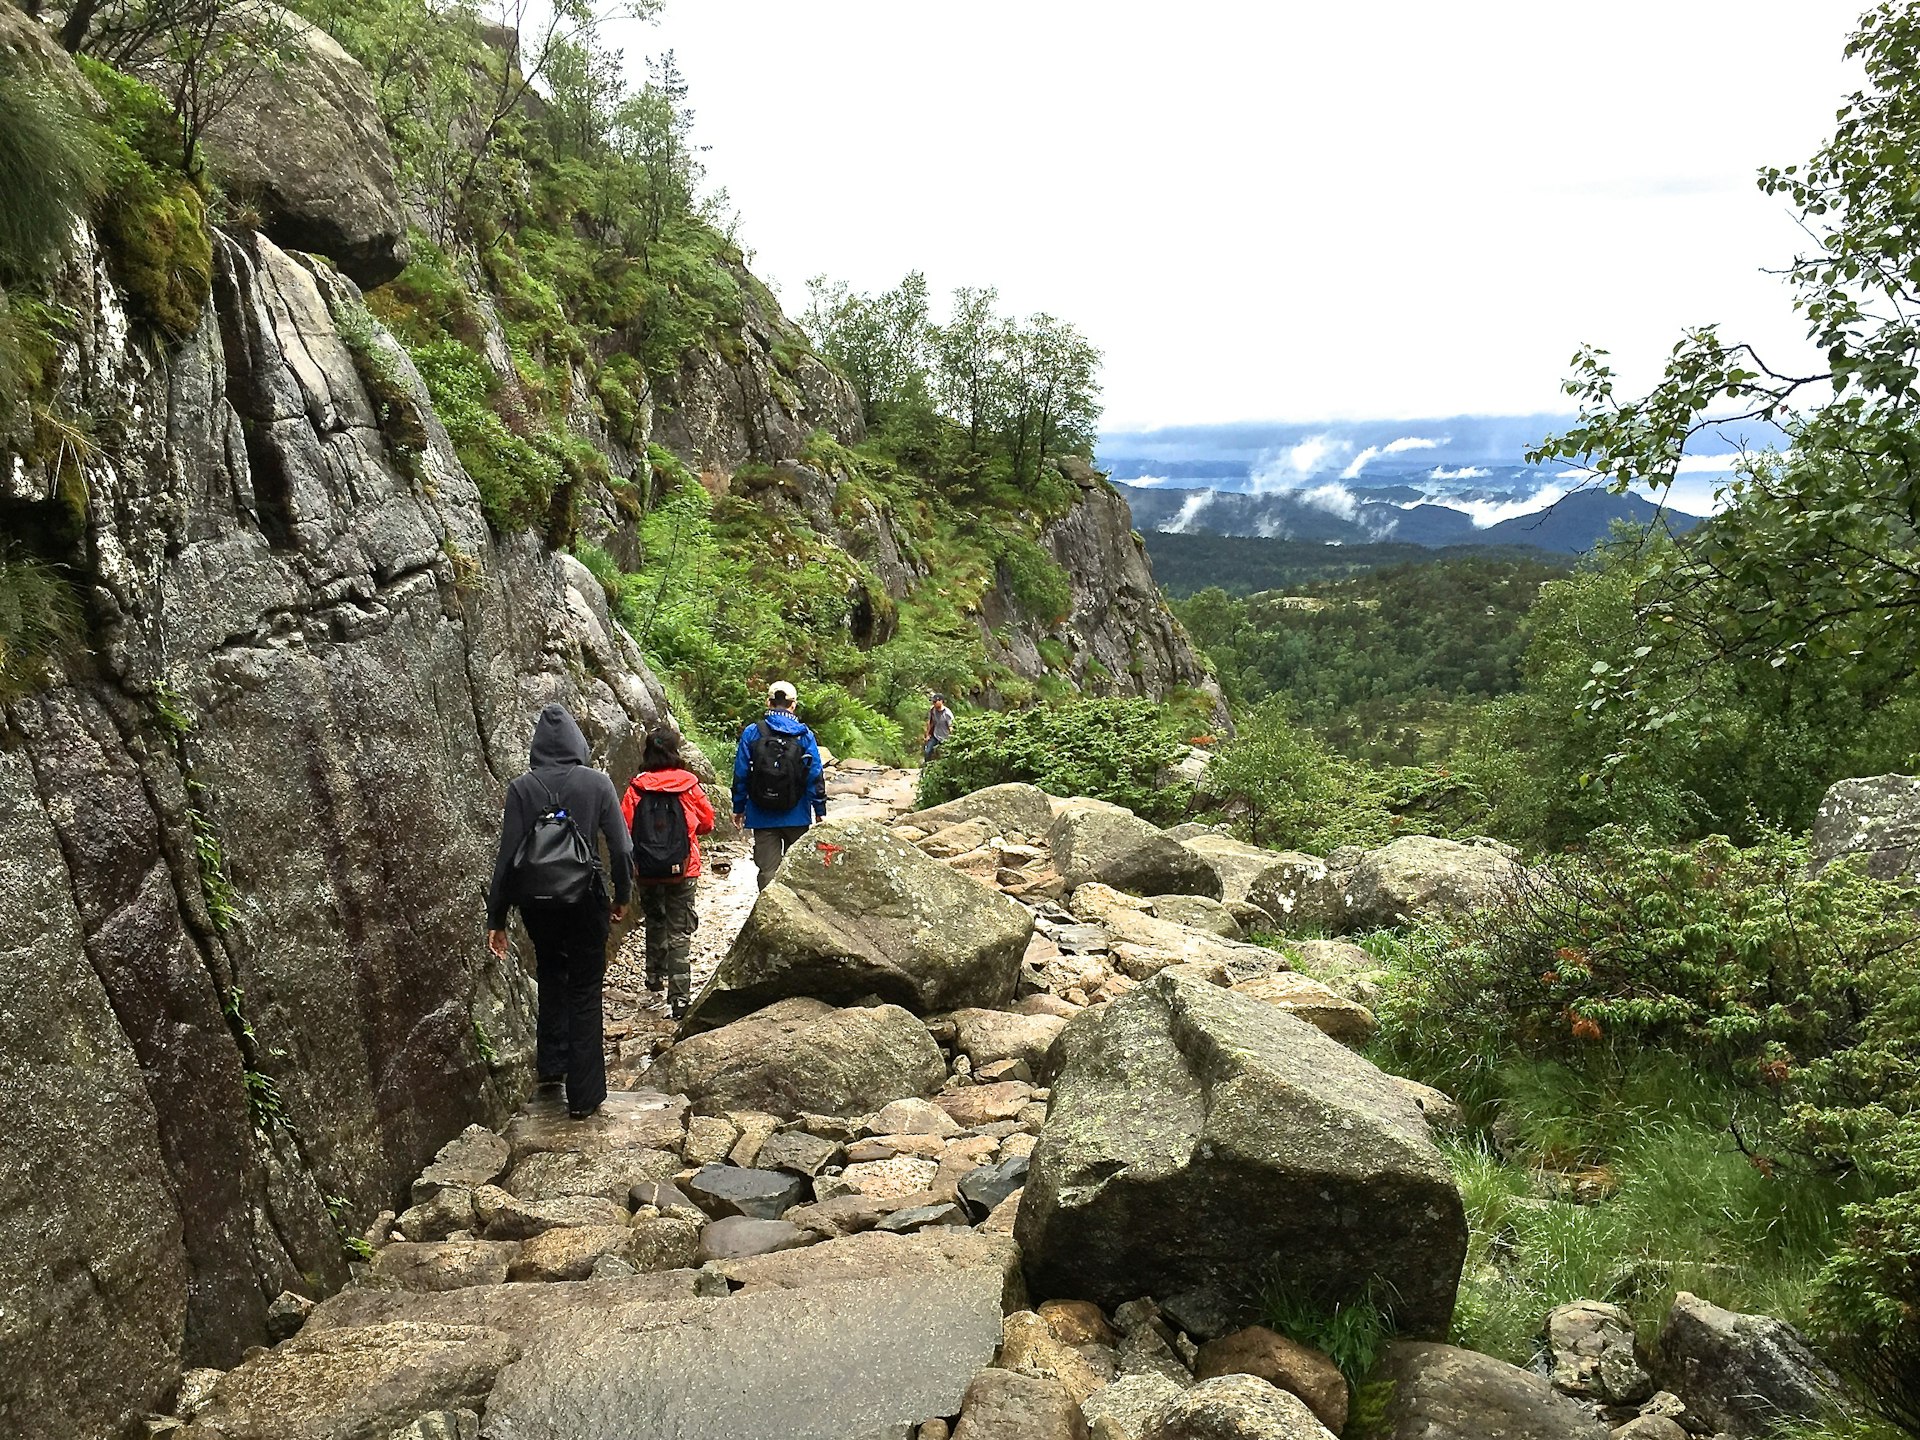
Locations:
(1281, 210)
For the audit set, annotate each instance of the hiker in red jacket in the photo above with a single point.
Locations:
(667, 813)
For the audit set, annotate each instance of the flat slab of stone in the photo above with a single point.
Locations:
(738, 1237)
(629, 1120)
(820, 1363)
(510, 1309)
(609, 1175)
(508, 1217)
(723, 1190)
(445, 1264)
(336, 1384)
(875, 1253)
(474, 1157)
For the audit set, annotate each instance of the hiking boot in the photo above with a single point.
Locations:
(677, 1010)
(583, 1114)
(656, 983)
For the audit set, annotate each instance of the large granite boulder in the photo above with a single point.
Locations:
(1241, 866)
(1196, 1136)
(858, 912)
(803, 1055)
(1303, 893)
(1093, 840)
(1443, 1393)
(1744, 1374)
(1877, 819)
(1022, 809)
(1422, 877)
(306, 147)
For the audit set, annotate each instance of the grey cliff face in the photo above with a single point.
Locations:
(244, 841)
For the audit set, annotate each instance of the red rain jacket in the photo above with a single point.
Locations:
(693, 800)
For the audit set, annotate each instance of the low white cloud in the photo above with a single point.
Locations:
(1392, 447)
(1465, 472)
(1286, 469)
(1334, 498)
(1491, 512)
(1183, 521)
(1359, 463)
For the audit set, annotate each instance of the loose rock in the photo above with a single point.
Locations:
(801, 1054)
(723, 1190)
(1002, 1405)
(1236, 1407)
(1092, 840)
(738, 1236)
(1442, 1393)
(1744, 1374)
(446, 1264)
(857, 913)
(1191, 1129)
(1298, 1369)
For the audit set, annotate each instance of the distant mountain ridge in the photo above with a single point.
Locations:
(1569, 524)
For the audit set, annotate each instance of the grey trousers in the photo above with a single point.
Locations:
(670, 917)
(770, 848)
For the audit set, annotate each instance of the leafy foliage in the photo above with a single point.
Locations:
(1017, 392)
(1116, 750)
(1713, 1001)
(1377, 662)
(1288, 790)
(1806, 586)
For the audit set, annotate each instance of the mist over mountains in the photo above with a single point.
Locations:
(1459, 480)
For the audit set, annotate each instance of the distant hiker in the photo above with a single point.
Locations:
(778, 787)
(549, 866)
(667, 813)
(939, 727)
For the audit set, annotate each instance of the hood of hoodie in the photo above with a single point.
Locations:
(674, 782)
(556, 740)
(784, 721)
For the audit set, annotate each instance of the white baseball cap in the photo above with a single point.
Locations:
(782, 690)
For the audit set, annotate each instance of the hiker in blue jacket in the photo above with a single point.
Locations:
(778, 786)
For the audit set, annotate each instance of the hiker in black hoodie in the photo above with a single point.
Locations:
(569, 940)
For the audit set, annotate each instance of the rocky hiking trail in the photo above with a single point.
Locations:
(988, 1123)
(636, 1020)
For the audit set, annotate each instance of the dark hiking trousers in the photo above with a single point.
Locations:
(570, 946)
(770, 848)
(670, 922)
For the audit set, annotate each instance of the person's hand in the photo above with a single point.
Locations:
(497, 942)
(739, 821)
(618, 913)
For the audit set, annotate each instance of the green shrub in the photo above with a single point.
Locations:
(39, 614)
(1035, 580)
(152, 218)
(1115, 750)
(1729, 1045)
(50, 165)
(1352, 1331)
(516, 477)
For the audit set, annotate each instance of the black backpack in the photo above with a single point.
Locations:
(776, 770)
(554, 864)
(660, 844)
